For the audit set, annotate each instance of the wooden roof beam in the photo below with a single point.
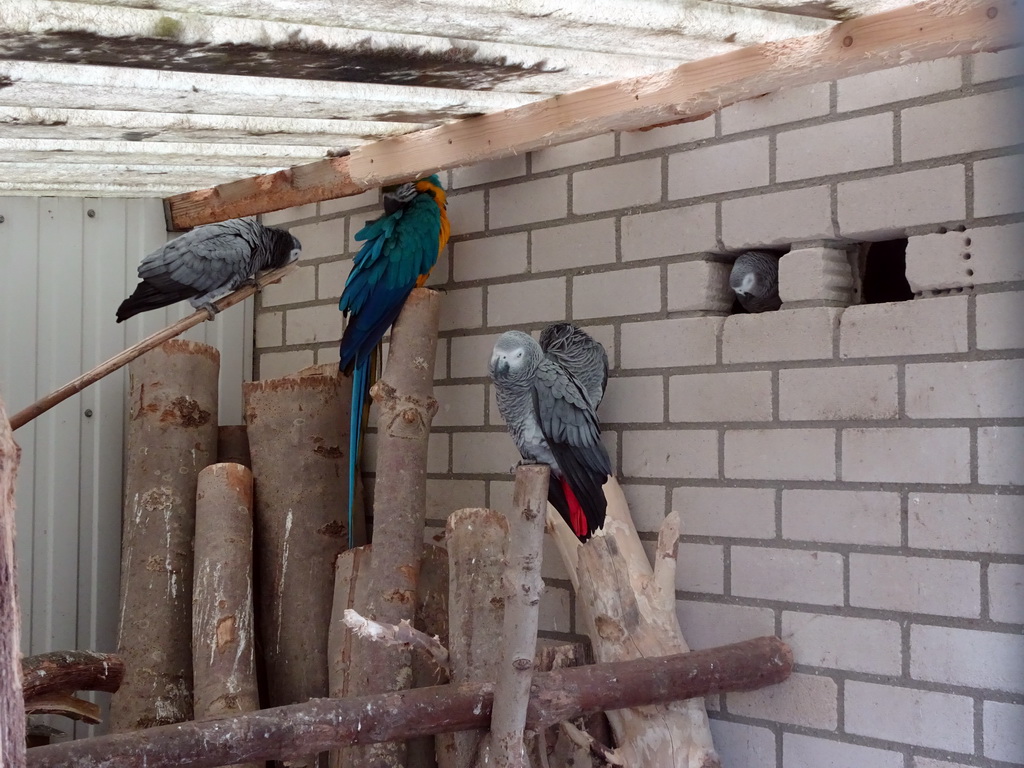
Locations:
(921, 32)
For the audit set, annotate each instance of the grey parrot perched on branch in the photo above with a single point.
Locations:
(553, 421)
(755, 281)
(580, 354)
(208, 263)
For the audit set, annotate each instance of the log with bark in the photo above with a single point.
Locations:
(172, 436)
(324, 724)
(431, 618)
(12, 708)
(51, 678)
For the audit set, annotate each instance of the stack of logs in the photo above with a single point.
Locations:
(268, 610)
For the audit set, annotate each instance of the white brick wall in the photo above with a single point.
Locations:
(849, 477)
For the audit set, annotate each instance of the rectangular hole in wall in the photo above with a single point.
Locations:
(884, 273)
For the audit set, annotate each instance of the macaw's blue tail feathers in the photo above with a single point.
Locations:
(360, 387)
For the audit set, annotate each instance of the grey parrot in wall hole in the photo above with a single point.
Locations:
(580, 354)
(553, 420)
(755, 281)
(208, 263)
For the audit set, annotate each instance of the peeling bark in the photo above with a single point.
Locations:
(12, 709)
(70, 671)
(172, 435)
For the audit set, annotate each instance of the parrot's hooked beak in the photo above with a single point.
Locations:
(499, 365)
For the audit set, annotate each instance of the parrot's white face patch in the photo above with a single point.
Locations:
(747, 284)
(294, 254)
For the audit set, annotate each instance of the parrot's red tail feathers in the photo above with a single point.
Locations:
(577, 518)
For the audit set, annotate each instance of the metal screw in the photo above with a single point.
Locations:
(91, 213)
(88, 413)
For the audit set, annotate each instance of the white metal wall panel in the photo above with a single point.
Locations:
(64, 273)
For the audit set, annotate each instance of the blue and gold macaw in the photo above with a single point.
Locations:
(399, 250)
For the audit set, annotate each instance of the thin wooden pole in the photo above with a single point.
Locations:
(12, 706)
(41, 406)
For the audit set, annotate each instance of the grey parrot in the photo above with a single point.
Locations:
(579, 353)
(207, 263)
(552, 420)
(755, 281)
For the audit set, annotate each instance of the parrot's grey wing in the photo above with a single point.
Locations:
(580, 354)
(205, 259)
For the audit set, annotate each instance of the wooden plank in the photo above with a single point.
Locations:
(915, 33)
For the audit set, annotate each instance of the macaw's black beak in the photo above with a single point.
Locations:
(391, 205)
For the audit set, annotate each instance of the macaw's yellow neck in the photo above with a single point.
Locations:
(441, 198)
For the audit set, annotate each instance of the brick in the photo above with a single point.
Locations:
(922, 327)
(331, 277)
(788, 105)
(791, 334)
(300, 286)
(614, 294)
(731, 512)
(288, 215)
(700, 285)
(462, 309)
(466, 212)
(780, 454)
(483, 452)
(1006, 592)
(801, 699)
(915, 584)
(741, 744)
(321, 238)
(884, 206)
(841, 642)
(835, 147)
(273, 365)
(978, 389)
(808, 752)
(459, 405)
(979, 256)
(572, 246)
(269, 329)
(672, 232)
(821, 275)
(995, 66)
(999, 320)
(700, 568)
(898, 84)
(554, 610)
(367, 199)
(795, 575)
(908, 716)
(1004, 731)
(492, 170)
(999, 455)
(447, 495)
(646, 505)
(837, 394)
(708, 625)
(906, 455)
(718, 397)
(617, 186)
(693, 342)
(777, 218)
(531, 201)
(331, 354)
(718, 168)
(842, 517)
(967, 657)
(552, 566)
(526, 302)
(924, 762)
(633, 399)
(631, 142)
(439, 273)
(311, 324)
(670, 453)
(470, 355)
(970, 124)
(490, 257)
(574, 153)
(997, 187)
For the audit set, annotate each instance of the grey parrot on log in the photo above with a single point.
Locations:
(755, 281)
(552, 418)
(208, 263)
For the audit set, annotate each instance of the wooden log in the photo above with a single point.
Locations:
(12, 708)
(233, 445)
(121, 359)
(477, 539)
(223, 648)
(406, 406)
(523, 589)
(323, 724)
(432, 618)
(172, 436)
(298, 438)
(70, 671)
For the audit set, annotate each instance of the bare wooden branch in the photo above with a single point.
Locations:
(66, 706)
(70, 671)
(323, 724)
(922, 32)
(12, 708)
(403, 634)
(121, 359)
(524, 587)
